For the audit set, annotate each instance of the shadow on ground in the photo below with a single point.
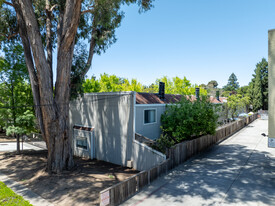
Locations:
(225, 174)
(78, 187)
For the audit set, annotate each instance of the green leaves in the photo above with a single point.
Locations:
(232, 84)
(178, 85)
(237, 103)
(258, 87)
(189, 119)
(15, 92)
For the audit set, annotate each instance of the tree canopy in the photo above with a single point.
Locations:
(63, 26)
(258, 87)
(213, 84)
(232, 84)
(113, 83)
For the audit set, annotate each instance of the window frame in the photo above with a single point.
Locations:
(78, 146)
(149, 109)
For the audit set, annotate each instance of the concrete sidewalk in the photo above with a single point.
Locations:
(12, 146)
(27, 194)
(238, 171)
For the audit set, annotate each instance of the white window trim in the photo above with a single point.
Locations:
(91, 138)
(81, 148)
(155, 116)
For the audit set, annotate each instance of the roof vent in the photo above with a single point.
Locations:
(197, 93)
(218, 95)
(161, 90)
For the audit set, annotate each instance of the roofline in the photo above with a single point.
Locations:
(109, 93)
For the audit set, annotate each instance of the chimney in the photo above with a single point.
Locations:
(161, 90)
(197, 93)
(218, 95)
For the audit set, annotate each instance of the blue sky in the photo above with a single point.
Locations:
(201, 39)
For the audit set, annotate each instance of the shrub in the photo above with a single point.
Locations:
(187, 119)
(163, 143)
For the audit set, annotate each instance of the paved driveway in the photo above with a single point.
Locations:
(239, 171)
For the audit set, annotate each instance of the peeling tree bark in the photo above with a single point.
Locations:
(52, 109)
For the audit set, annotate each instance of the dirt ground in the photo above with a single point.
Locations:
(81, 186)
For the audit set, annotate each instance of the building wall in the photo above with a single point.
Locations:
(145, 157)
(112, 117)
(151, 130)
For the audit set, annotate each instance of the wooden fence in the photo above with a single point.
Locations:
(176, 155)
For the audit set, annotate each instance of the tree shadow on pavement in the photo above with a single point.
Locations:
(226, 174)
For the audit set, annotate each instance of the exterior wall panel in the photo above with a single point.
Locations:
(151, 130)
(112, 117)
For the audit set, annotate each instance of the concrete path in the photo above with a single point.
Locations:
(11, 146)
(238, 171)
(27, 194)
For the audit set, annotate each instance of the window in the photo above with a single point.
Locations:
(82, 142)
(149, 116)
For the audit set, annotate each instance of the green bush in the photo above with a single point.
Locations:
(187, 120)
(163, 143)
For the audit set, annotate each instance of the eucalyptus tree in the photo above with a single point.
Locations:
(64, 26)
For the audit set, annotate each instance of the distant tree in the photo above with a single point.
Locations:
(232, 84)
(91, 85)
(212, 84)
(178, 85)
(132, 85)
(15, 93)
(203, 86)
(152, 88)
(258, 87)
(111, 83)
(235, 103)
(244, 91)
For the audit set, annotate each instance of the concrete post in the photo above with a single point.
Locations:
(271, 88)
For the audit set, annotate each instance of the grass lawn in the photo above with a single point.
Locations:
(8, 197)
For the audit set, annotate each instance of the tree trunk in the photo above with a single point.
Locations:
(18, 144)
(52, 106)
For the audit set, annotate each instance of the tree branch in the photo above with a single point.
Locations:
(53, 7)
(8, 3)
(8, 37)
(29, 63)
(90, 57)
(65, 51)
(86, 11)
(12, 35)
(70, 25)
(42, 68)
(49, 38)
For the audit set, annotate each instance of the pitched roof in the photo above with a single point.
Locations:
(153, 98)
(220, 101)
